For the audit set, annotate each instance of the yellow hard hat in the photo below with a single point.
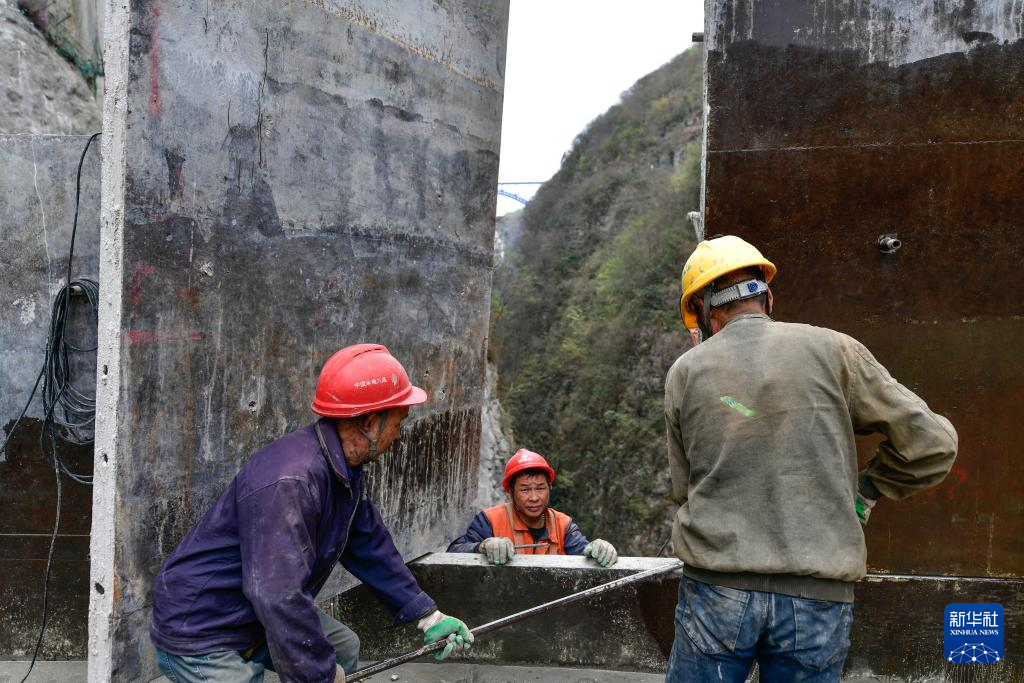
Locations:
(711, 260)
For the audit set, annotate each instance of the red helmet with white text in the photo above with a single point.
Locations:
(363, 378)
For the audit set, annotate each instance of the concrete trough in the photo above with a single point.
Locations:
(629, 629)
(632, 629)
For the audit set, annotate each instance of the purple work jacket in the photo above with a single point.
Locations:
(250, 569)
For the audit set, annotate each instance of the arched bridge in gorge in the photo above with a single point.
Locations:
(512, 195)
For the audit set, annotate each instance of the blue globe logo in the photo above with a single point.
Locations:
(978, 652)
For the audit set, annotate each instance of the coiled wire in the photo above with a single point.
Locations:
(71, 413)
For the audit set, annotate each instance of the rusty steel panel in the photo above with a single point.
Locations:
(870, 128)
(941, 313)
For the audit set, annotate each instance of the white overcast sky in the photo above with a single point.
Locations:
(568, 61)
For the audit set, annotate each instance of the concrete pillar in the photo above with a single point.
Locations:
(282, 179)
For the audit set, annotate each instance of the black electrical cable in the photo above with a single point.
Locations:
(76, 421)
(77, 411)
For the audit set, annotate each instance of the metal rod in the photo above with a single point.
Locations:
(530, 545)
(490, 626)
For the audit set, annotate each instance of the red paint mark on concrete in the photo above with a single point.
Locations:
(134, 337)
(140, 271)
(154, 63)
(956, 478)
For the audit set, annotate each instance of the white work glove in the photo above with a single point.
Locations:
(499, 550)
(602, 551)
(437, 626)
(339, 674)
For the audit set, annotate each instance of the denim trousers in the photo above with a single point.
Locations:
(721, 631)
(229, 666)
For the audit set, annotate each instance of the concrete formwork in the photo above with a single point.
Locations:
(282, 179)
(37, 203)
(829, 124)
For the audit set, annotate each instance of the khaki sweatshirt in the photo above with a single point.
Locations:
(761, 420)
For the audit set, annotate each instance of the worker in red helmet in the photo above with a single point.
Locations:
(237, 594)
(527, 523)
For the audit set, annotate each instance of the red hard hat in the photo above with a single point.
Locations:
(361, 379)
(526, 460)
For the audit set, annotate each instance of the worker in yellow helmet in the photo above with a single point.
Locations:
(761, 417)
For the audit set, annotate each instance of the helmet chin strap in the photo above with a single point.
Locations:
(374, 440)
(704, 320)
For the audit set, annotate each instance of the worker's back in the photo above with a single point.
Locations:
(762, 414)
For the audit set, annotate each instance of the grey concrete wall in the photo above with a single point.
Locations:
(282, 179)
(37, 198)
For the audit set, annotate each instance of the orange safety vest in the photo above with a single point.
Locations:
(505, 522)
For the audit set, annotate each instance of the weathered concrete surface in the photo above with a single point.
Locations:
(898, 627)
(630, 629)
(896, 635)
(282, 179)
(892, 32)
(41, 92)
(830, 123)
(37, 198)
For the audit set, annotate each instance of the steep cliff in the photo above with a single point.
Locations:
(42, 93)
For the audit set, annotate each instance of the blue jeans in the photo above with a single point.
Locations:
(721, 631)
(229, 666)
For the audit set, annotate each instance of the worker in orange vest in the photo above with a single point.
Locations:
(527, 522)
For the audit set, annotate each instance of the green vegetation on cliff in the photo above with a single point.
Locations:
(585, 309)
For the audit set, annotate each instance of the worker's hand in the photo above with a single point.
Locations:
(867, 495)
(339, 674)
(499, 550)
(439, 626)
(602, 551)
(863, 505)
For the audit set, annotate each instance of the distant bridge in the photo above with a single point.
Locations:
(512, 195)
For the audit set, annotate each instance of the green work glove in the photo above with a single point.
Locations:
(439, 626)
(602, 551)
(499, 550)
(863, 507)
(867, 495)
